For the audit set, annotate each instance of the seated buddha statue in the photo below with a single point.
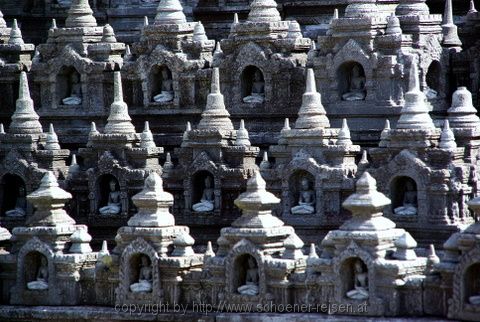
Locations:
(356, 86)
(166, 88)
(306, 200)
(207, 200)
(258, 89)
(114, 205)
(75, 97)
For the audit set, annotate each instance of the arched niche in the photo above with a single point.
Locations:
(353, 275)
(69, 86)
(471, 284)
(13, 196)
(252, 85)
(300, 181)
(161, 84)
(404, 194)
(203, 185)
(36, 267)
(79, 158)
(433, 79)
(106, 185)
(137, 263)
(351, 81)
(245, 273)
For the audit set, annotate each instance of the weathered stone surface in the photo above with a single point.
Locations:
(394, 234)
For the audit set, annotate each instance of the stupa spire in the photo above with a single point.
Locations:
(218, 49)
(366, 206)
(385, 134)
(80, 15)
(414, 114)
(335, 14)
(449, 29)
(256, 204)
(170, 12)
(447, 138)
(93, 129)
(199, 34)
(344, 137)
(263, 11)
(118, 122)
(472, 8)
(387, 126)
(153, 205)
(52, 139)
(188, 128)
(215, 115)
(265, 164)
(168, 164)
(49, 200)
(15, 35)
(312, 252)
(108, 34)
(209, 251)
(74, 166)
(146, 137)
(242, 135)
(25, 119)
(312, 114)
(393, 25)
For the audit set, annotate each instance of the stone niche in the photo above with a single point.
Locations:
(348, 272)
(471, 285)
(100, 182)
(185, 80)
(161, 83)
(295, 186)
(136, 263)
(356, 270)
(403, 190)
(262, 64)
(276, 80)
(351, 81)
(241, 265)
(435, 86)
(459, 271)
(68, 85)
(17, 174)
(34, 263)
(13, 196)
(106, 184)
(198, 185)
(252, 84)
(440, 195)
(465, 297)
(136, 256)
(242, 258)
